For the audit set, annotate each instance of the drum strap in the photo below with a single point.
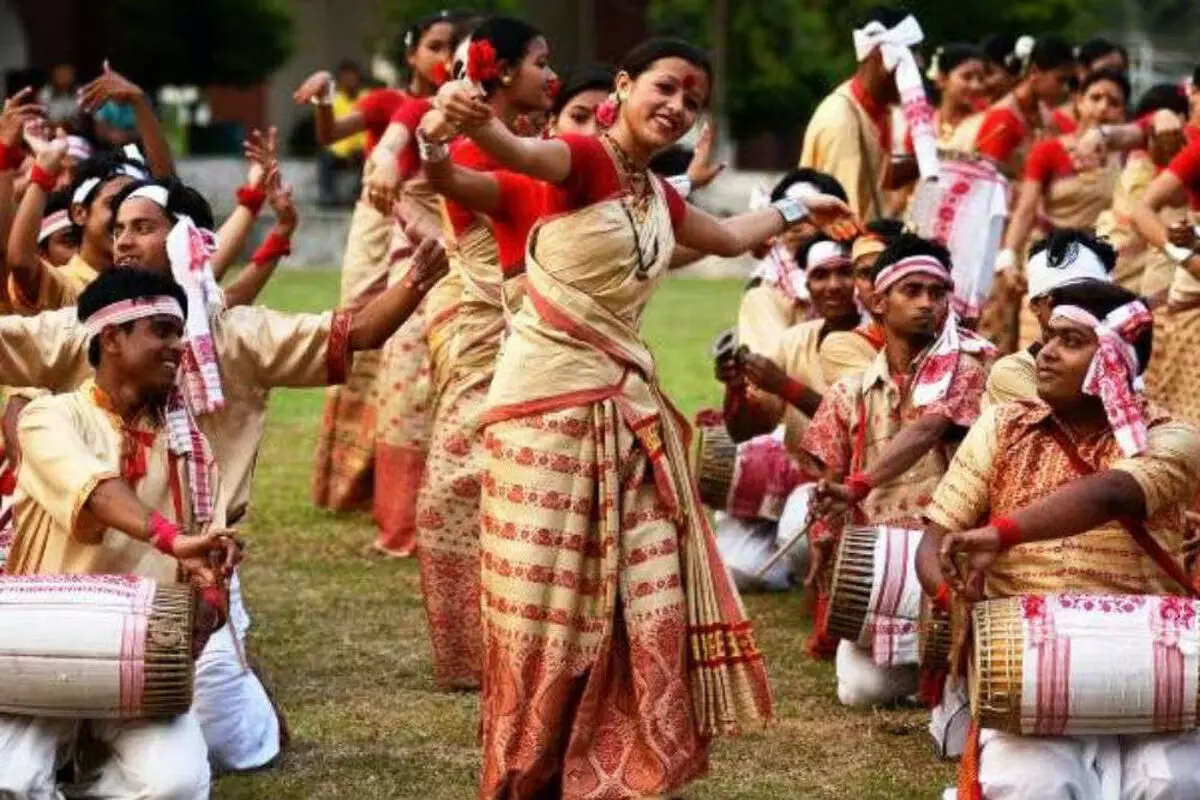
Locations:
(1136, 528)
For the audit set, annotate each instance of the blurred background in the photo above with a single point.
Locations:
(218, 68)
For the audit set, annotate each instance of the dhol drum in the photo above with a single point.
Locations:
(875, 597)
(1076, 665)
(747, 481)
(95, 647)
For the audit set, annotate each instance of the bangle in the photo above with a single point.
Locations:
(1177, 253)
(11, 158)
(793, 209)
(792, 391)
(163, 533)
(252, 198)
(860, 485)
(1005, 259)
(42, 178)
(273, 248)
(431, 152)
(325, 98)
(1009, 530)
(941, 598)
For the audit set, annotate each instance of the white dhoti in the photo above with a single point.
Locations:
(1136, 767)
(747, 545)
(950, 720)
(135, 759)
(862, 683)
(238, 720)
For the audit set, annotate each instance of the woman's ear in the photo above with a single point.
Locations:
(623, 85)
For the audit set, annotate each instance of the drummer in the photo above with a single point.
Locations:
(1057, 526)
(1067, 256)
(918, 395)
(94, 497)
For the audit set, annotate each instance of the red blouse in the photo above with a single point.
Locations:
(594, 178)
(466, 153)
(1047, 161)
(523, 201)
(409, 114)
(377, 107)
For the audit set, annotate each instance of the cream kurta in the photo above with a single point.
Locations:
(258, 349)
(763, 315)
(70, 446)
(841, 140)
(844, 353)
(58, 287)
(1013, 377)
(796, 353)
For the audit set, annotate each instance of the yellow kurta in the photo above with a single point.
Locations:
(257, 348)
(58, 287)
(796, 353)
(1013, 377)
(70, 445)
(841, 140)
(1173, 378)
(763, 315)
(844, 353)
(1009, 460)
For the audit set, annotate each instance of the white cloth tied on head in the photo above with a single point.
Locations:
(52, 224)
(826, 254)
(1079, 264)
(1112, 375)
(779, 268)
(137, 308)
(892, 274)
(894, 46)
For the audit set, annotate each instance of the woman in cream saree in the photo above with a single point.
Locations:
(615, 644)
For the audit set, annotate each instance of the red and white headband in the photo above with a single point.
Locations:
(892, 274)
(52, 224)
(130, 310)
(1112, 375)
(826, 254)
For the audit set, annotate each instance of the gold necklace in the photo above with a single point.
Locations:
(636, 203)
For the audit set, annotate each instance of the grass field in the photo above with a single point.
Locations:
(342, 635)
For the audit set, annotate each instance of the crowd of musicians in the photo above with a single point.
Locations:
(958, 417)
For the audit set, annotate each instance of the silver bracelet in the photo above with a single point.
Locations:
(431, 152)
(793, 209)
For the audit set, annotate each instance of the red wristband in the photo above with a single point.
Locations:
(11, 158)
(792, 391)
(1010, 532)
(941, 598)
(217, 599)
(251, 198)
(163, 533)
(273, 248)
(42, 178)
(860, 485)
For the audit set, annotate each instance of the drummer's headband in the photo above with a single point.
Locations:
(52, 224)
(1114, 368)
(130, 310)
(1079, 263)
(892, 274)
(827, 255)
(84, 191)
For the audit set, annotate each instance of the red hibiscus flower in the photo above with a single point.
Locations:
(440, 74)
(606, 112)
(481, 62)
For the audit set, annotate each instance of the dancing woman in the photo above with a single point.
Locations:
(615, 645)
(342, 478)
(510, 61)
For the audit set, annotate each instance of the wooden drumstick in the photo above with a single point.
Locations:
(786, 546)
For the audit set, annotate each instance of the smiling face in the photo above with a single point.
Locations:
(964, 85)
(579, 114)
(662, 104)
(96, 218)
(139, 235)
(145, 353)
(531, 83)
(1052, 86)
(831, 286)
(1063, 362)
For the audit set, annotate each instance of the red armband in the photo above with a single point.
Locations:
(42, 178)
(11, 158)
(163, 534)
(860, 485)
(273, 248)
(941, 598)
(1010, 532)
(792, 391)
(251, 198)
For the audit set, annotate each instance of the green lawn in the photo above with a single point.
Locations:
(342, 635)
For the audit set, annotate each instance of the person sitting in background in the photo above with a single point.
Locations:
(344, 156)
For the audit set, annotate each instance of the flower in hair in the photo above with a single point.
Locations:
(553, 87)
(606, 112)
(440, 73)
(481, 62)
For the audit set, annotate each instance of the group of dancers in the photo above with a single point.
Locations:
(493, 402)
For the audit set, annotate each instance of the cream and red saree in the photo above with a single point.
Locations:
(403, 393)
(448, 504)
(342, 478)
(615, 644)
